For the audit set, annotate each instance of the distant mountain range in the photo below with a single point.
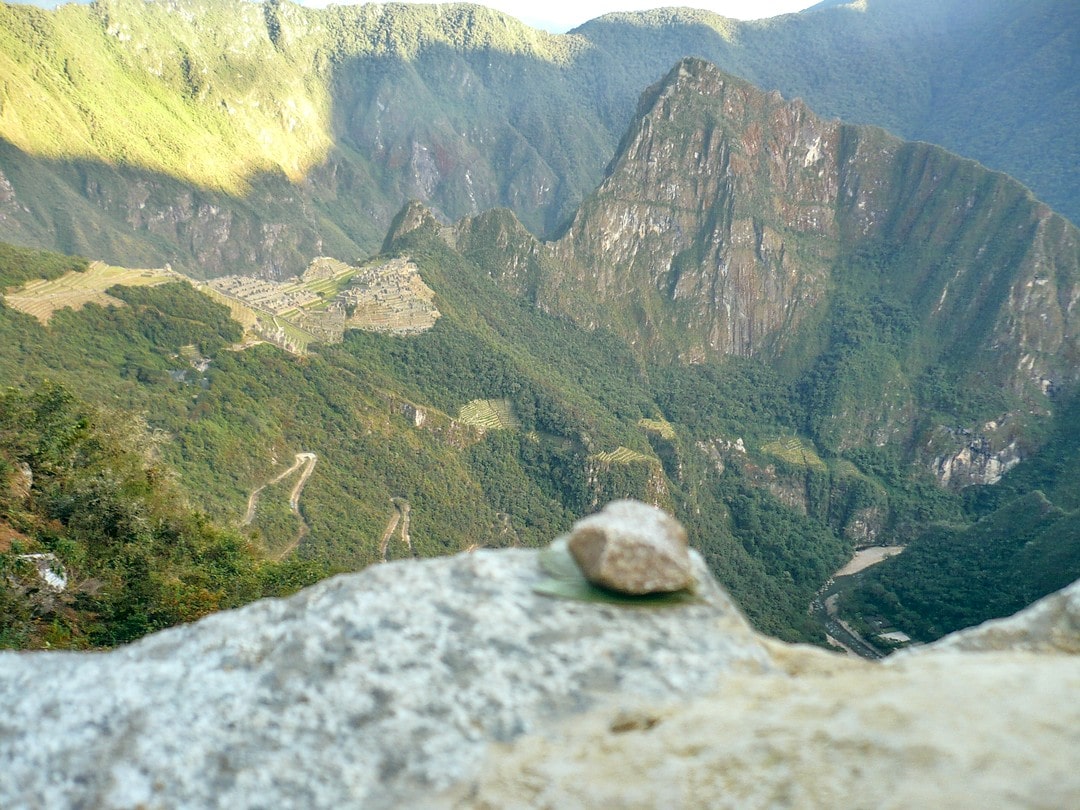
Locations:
(732, 222)
(225, 136)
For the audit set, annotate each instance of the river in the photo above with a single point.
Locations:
(823, 607)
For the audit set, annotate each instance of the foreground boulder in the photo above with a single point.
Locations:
(931, 727)
(453, 683)
(632, 548)
(366, 690)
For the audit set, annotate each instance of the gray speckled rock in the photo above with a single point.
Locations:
(955, 730)
(367, 690)
(632, 548)
(453, 683)
(987, 717)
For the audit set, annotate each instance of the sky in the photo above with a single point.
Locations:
(562, 15)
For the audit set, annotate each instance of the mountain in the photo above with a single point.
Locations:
(495, 427)
(261, 136)
(733, 222)
(1024, 541)
(993, 81)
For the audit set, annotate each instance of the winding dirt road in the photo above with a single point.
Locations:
(305, 460)
(401, 515)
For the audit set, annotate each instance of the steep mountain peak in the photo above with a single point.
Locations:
(733, 221)
(413, 216)
(691, 75)
(694, 71)
(702, 215)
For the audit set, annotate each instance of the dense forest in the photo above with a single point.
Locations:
(84, 495)
(1017, 541)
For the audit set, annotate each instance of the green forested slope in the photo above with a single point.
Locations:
(1024, 542)
(576, 396)
(84, 486)
(717, 443)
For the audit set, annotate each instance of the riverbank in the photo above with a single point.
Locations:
(866, 557)
(823, 607)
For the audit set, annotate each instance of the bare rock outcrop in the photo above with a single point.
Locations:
(376, 689)
(454, 683)
(632, 548)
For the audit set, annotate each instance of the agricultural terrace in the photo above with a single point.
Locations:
(489, 414)
(795, 451)
(260, 325)
(42, 298)
(238, 310)
(623, 455)
(660, 427)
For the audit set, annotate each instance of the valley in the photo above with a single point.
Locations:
(323, 329)
(824, 607)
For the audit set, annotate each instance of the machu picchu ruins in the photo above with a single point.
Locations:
(274, 297)
(332, 296)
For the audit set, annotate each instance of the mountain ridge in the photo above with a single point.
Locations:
(733, 222)
(899, 312)
(320, 124)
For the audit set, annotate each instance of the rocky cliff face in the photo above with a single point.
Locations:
(730, 214)
(359, 108)
(140, 218)
(978, 461)
(452, 682)
(717, 220)
(734, 222)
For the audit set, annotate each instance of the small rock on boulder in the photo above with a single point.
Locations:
(632, 548)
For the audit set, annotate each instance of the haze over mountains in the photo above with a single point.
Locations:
(652, 278)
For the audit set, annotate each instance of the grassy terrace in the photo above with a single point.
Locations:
(661, 427)
(489, 414)
(795, 451)
(258, 323)
(238, 311)
(328, 287)
(623, 455)
(75, 290)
